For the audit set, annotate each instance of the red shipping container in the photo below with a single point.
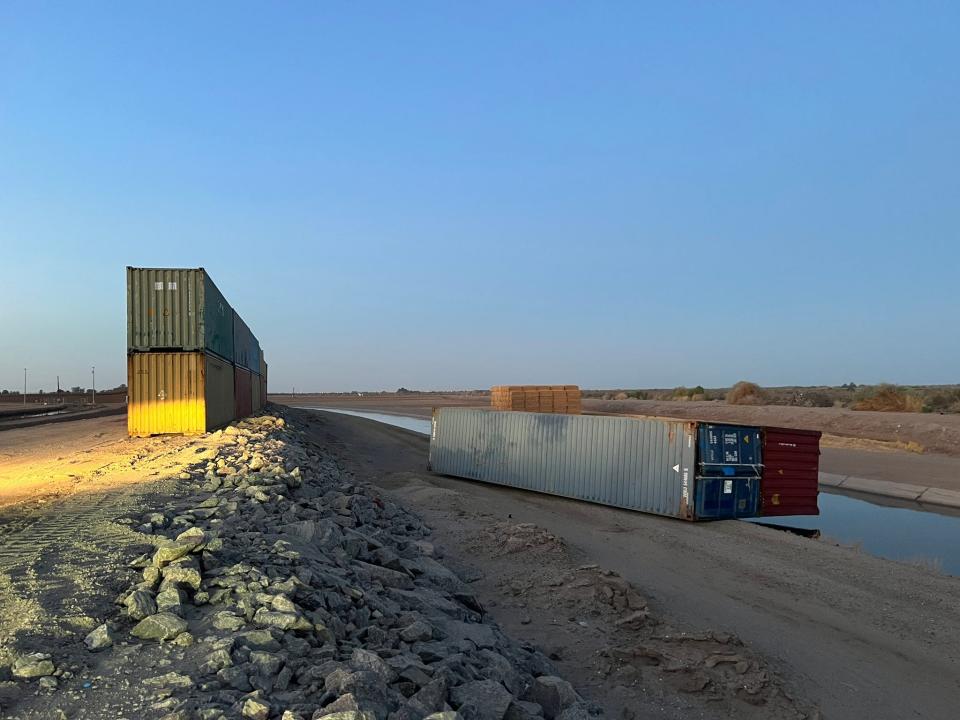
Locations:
(243, 392)
(791, 472)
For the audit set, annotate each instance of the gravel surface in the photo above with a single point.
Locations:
(270, 584)
(857, 635)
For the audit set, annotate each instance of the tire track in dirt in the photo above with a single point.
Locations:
(54, 559)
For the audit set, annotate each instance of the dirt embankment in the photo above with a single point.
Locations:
(862, 430)
(931, 432)
(255, 578)
(860, 636)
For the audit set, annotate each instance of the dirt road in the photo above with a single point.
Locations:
(65, 458)
(861, 636)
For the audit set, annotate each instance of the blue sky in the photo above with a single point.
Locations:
(443, 195)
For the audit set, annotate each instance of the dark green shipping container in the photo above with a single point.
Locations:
(246, 346)
(177, 309)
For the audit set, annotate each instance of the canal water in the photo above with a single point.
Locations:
(418, 425)
(904, 531)
(898, 530)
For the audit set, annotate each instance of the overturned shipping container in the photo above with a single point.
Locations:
(682, 469)
(177, 309)
(178, 392)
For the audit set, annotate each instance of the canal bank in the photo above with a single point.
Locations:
(922, 494)
(852, 512)
(927, 479)
(862, 636)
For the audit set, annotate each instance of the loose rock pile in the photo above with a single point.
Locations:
(285, 590)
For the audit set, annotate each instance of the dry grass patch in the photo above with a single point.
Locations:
(890, 398)
(746, 393)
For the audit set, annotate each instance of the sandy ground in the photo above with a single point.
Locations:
(860, 636)
(60, 459)
(62, 552)
(66, 542)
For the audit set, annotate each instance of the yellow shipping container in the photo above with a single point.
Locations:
(178, 392)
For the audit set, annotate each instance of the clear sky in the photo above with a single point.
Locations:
(454, 195)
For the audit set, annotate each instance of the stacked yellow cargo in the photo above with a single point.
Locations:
(536, 398)
(193, 365)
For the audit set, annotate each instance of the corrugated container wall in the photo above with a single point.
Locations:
(246, 346)
(178, 392)
(243, 393)
(645, 465)
(791, 472)
(263, 378)
(256, 393)
(177, 309)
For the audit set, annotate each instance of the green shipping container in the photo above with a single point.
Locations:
(177, 309)
(246, 353)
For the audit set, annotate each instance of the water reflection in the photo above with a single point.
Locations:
(418, 425)
(897, 530)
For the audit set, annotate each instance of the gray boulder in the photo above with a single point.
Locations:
(481, 700)
(98, 639)
(33, 665)
(365, 660)
(553, 694)
(162, 626)
(140, 604)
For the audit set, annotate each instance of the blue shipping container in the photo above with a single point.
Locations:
(730, 450)
(720, 497)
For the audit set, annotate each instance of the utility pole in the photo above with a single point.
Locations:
(93, 371)
(58, 389)
(24, 387)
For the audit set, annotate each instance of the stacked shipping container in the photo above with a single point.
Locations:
(193, 364)
(536, 398)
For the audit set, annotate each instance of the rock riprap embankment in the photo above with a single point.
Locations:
(283, 589)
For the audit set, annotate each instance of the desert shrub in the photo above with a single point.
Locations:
(947, 401)
(745, 393)
(621, 396)
(685, 393)
(638, 394)
(888, 398)
(817, 399)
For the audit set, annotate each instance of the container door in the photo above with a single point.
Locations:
(727, 497)
(729, 450)
(790, 472)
